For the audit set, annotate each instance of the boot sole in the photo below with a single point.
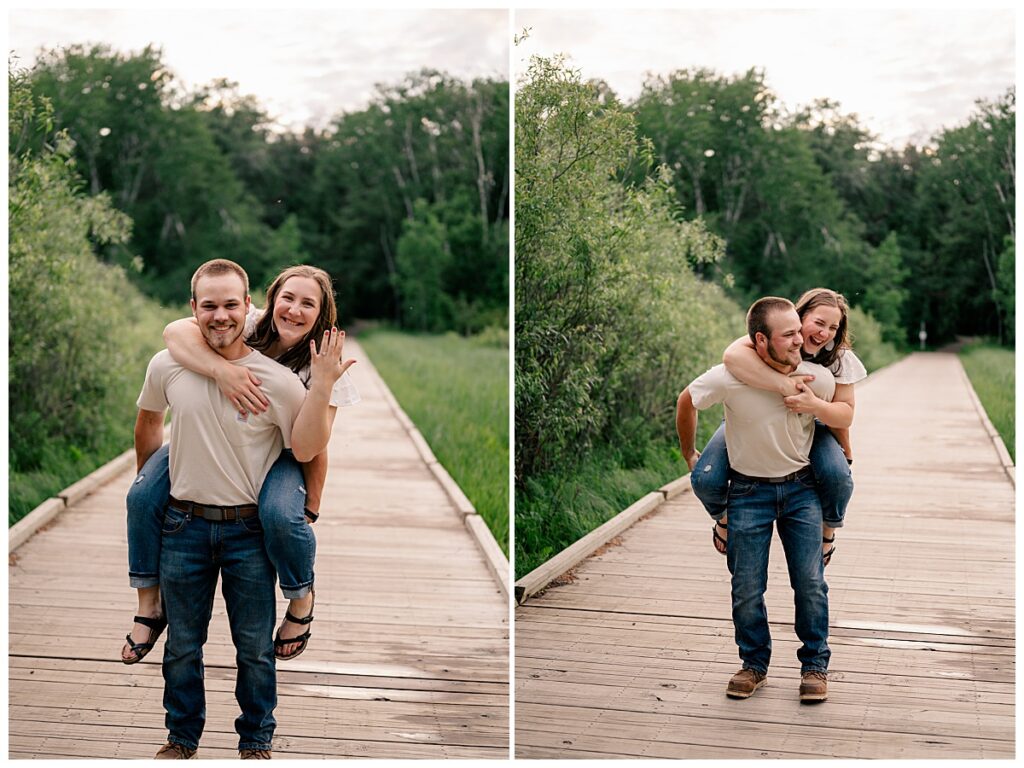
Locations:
(813, 697)
(733, 694)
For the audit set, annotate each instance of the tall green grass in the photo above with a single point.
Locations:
(456, 391)
(990, 369)
(554, 510)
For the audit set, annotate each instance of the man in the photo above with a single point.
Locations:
(771, 482)
(218, 459)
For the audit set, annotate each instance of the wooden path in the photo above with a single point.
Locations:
(631, 657)
(409, 654)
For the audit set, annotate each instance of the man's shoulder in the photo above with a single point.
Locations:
(161, 363)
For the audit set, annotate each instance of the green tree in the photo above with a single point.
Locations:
(137, 138)
(421, 261)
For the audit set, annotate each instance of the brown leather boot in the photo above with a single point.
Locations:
(814, 686)
(255, 754)
(174, 751)
(745, 682)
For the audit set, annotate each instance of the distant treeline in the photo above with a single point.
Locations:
(404, 202)
(810, 197)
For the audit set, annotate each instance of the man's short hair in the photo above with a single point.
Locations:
(219, 267)
(757, 315)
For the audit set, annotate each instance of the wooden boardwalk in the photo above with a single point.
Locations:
(630, 658)
(409, 654)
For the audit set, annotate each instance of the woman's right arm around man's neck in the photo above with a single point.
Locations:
(743, 362)
(189, 349)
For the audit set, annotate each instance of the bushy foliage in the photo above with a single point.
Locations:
(75, 358)
(867, 335)
(611, 322)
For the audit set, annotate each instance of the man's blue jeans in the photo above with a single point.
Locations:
(195, 553)
(290, 542)
(754, 509)
(710, 476)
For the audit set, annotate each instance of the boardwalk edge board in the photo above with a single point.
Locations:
(23, 530)
(575, 553)
(993, 433)
(496, 561)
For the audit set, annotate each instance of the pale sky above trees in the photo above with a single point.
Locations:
(906, 73)
(305, 65)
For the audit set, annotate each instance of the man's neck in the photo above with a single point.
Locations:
(236, 351)
(785, 368)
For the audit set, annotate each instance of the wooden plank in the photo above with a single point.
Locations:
(496, 561)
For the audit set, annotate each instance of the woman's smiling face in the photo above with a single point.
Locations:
(820, 325)
(296, 309)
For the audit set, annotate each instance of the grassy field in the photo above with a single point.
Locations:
(456, 391)
(990, 369)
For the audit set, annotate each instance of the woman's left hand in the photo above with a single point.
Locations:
(326, 365)
(803, 402)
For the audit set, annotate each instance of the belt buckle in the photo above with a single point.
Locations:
(214, 514)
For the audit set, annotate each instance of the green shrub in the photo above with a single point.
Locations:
(866, 334)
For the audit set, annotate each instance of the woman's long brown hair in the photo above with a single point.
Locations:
(298, 356)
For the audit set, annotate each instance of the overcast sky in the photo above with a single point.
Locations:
(304, 65)
(906, 73)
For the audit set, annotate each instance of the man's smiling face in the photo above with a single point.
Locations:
(220, 307)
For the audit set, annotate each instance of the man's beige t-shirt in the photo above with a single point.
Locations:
(218, 456)
(764, 438)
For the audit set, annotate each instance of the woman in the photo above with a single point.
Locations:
(824, 315)
(302, 309)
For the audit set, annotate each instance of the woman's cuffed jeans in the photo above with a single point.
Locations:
(290, 542)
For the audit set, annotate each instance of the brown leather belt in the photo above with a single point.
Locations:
(213, 513)
(801, 474)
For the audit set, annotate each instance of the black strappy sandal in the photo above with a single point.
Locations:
(716, 539)
(827, 556)
(156, 628)
(302, 639)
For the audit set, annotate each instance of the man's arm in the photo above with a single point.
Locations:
(149, 436)
(189, 349)
(686, 427)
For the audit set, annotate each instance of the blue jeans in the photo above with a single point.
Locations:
(290, 542)
(710, 476)
(793, 506)
(195, 552)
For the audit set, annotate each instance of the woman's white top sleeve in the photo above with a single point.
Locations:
(848, 369)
